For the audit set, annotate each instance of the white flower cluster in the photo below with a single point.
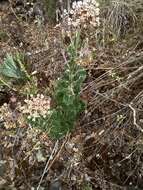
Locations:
(36, 107)
(83, 13)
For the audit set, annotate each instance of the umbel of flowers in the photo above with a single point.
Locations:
(36, 107)
(82, 14)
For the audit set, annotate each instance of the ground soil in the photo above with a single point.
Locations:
(106, 149)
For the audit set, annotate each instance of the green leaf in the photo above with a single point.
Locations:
(11, 68)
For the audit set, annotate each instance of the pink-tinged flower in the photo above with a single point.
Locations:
(36, 106)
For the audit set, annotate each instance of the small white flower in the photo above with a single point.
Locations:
(86, 1)
(29, 117)
(65, 12)
(42, 96)
(38, 96)
(74, 5)
(96, 4)
(97, 11)
(71, 11)
(98, 21)
(79, 4)
(69, 19)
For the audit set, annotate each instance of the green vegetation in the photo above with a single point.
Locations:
(13, 68)
(13, 71)
(66, 95)
(14, 74)
(87, 187)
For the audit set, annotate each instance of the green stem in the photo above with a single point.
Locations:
(6, 84)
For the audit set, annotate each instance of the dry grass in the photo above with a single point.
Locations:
(114, 119)
(120, 17)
